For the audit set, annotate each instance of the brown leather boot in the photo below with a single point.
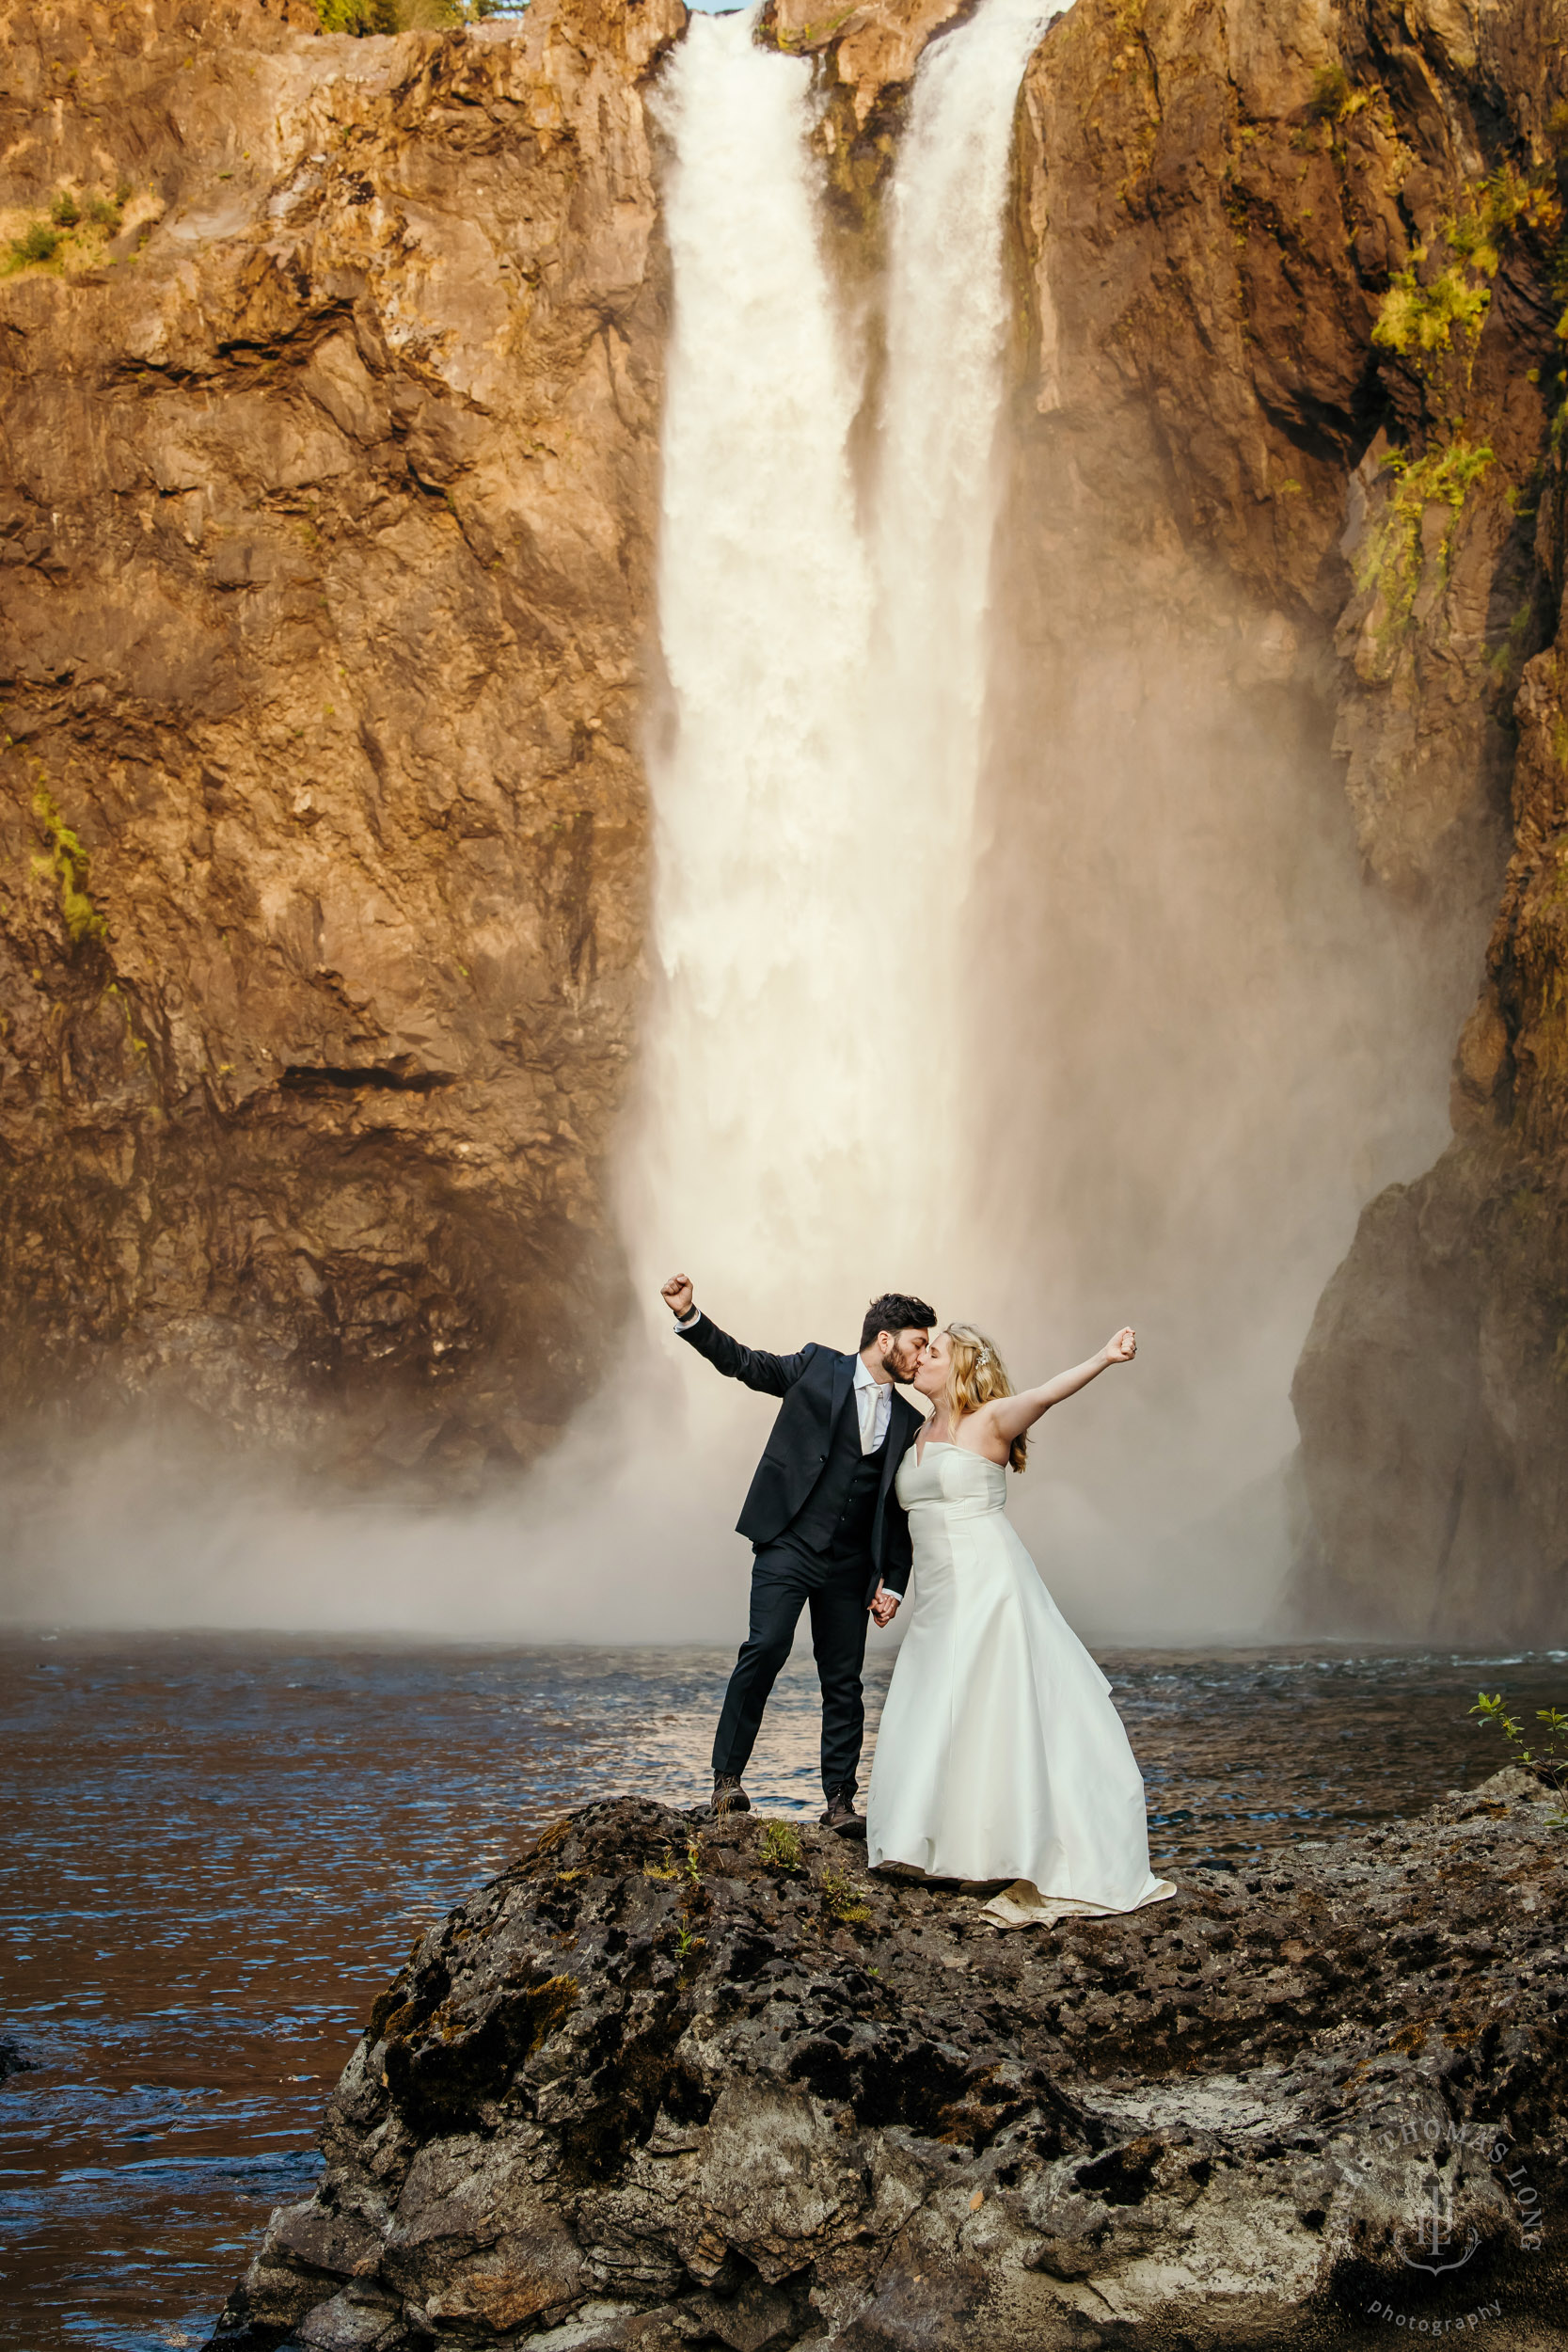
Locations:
(728, 1796)
(841, 1816)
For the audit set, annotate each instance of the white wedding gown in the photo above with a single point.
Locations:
(1000, 1755)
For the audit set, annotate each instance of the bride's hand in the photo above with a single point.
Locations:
(1122, 1349)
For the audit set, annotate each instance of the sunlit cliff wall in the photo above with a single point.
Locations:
(1265, 248)
(325, 496)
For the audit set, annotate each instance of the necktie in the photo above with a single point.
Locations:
(870, 1398)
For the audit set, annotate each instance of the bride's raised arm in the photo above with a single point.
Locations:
(1011, 1416)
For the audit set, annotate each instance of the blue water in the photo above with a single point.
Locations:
(219, 1848)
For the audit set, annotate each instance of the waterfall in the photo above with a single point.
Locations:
(756, 1165)
(812, 772)
(814, 783)
(813, 798)
(937, 490)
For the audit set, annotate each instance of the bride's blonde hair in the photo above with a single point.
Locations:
(975, 1376)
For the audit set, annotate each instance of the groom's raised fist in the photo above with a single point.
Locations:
(676, 1295)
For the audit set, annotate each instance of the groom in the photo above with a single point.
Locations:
(825, 1526)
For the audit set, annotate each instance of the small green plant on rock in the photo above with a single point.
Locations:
(1552, 1757)
(36, 245)
(841, 1901)
(1331, 93)
(1422, 317)
(75, 227)
(1390, 560)
(1433, 318)
(781, 1847)
(67, 861)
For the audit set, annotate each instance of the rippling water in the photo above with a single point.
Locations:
(217, 1850)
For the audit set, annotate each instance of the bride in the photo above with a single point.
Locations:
(1000, 1755)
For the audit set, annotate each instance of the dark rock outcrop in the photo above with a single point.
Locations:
(13, 2059)
(326, 517)
(667, 2084)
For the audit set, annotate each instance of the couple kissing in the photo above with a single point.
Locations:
(1000, 1757)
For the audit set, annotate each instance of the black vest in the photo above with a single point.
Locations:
(836, 1517)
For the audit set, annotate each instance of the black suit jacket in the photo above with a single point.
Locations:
(814, 1386)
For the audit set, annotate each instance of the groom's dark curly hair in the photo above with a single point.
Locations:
(895, 1310)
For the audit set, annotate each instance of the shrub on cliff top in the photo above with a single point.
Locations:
(363, 17)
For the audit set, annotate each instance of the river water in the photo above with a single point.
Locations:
(219, 1848)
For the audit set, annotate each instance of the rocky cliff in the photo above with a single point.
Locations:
(333, 373)
(331, 383)
(663, 2084)
(1288, 438)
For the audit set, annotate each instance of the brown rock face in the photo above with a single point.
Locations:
(326, 499)
(1286, 458)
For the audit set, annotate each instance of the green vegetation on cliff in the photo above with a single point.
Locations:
(362, 17)
(75, 227)
(67, 861)
(1443, 308)
(1391, 561)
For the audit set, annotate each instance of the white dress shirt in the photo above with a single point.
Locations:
(874, 1404)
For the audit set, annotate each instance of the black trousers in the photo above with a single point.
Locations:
(784, 1582)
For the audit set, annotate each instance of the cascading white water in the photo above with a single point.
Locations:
(936, 500)
(756, 1166)
(815, 800)
(814, 797)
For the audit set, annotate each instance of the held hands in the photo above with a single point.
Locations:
(884, 1607)
(677, 1294)
(1120, 1350)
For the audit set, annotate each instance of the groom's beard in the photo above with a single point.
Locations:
(890, 1365)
